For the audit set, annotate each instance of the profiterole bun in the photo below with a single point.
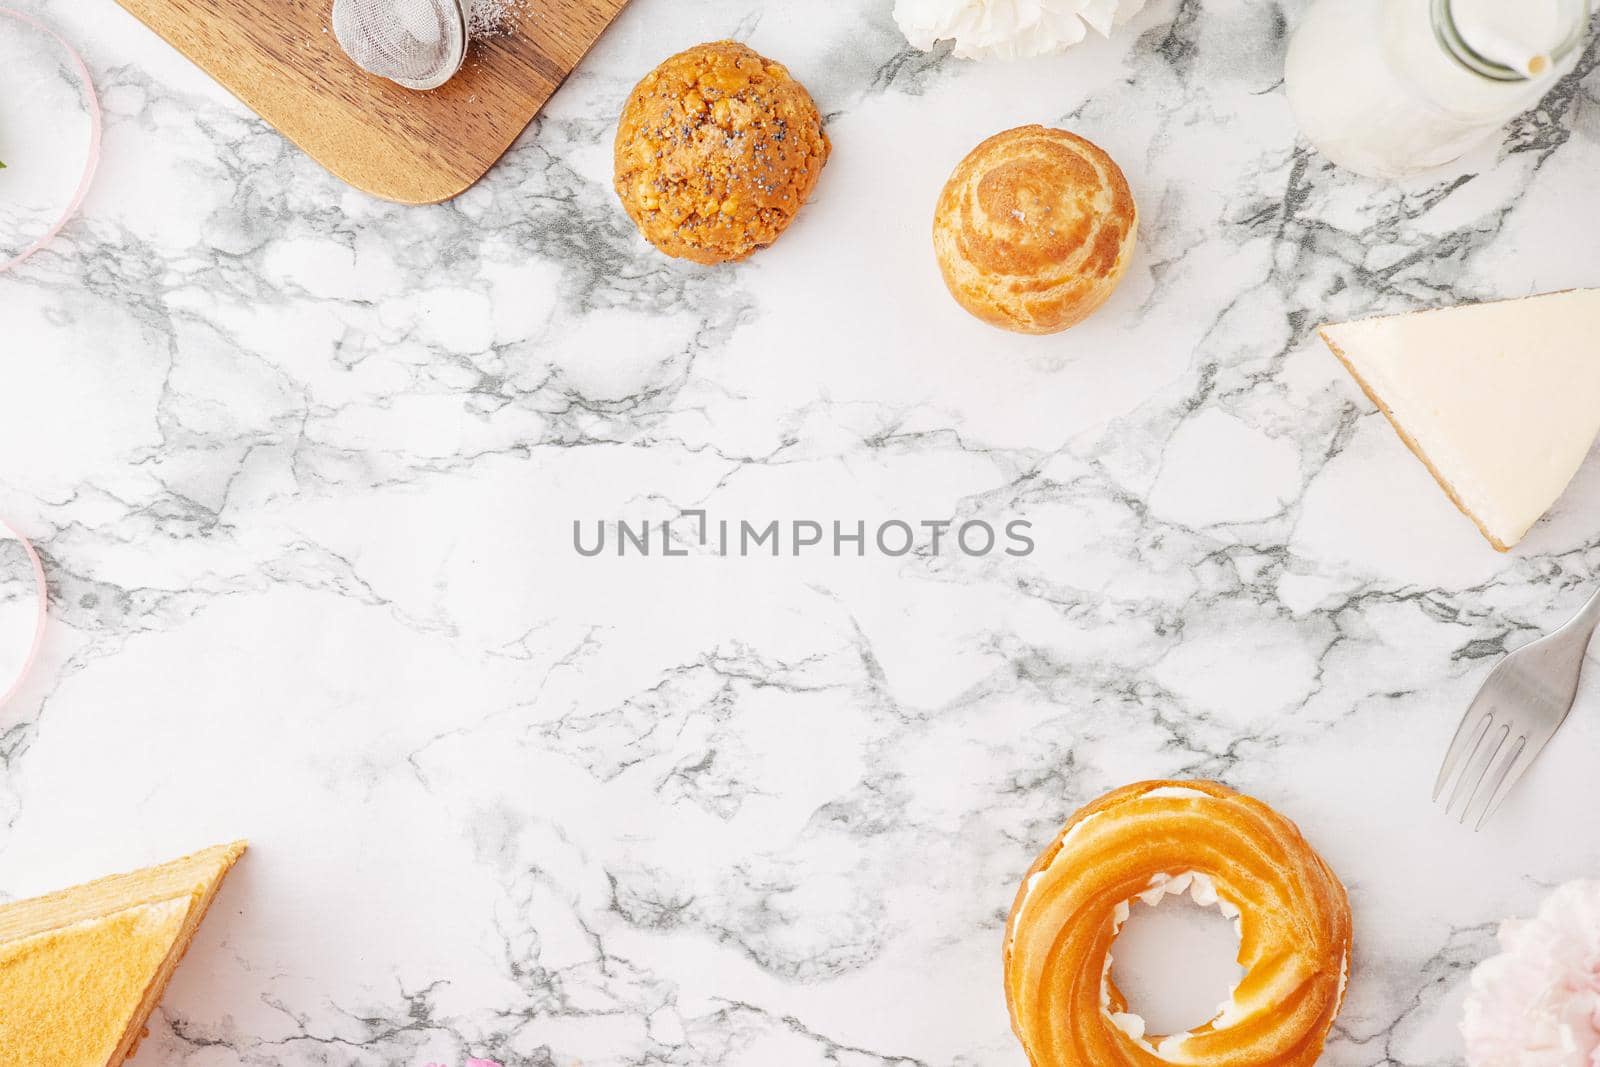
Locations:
(1034, 229)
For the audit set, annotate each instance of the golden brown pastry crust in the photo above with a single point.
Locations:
(1034, 229)
(82, 969)
(716, 151)
(1295, 922)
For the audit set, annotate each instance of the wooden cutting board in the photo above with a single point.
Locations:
(280, 57)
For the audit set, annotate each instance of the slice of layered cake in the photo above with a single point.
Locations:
(1500, 400)
(82, 969)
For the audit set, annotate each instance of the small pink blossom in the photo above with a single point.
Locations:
(1537, 1004)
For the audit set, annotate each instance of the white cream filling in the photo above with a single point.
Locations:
(1203, 891)
(1177, 791)
(1036, 877)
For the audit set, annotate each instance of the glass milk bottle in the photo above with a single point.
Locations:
(1388, 88)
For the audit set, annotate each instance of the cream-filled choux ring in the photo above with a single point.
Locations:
(1155, 837)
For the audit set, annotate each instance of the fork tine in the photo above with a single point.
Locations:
(1471, 729)
(1474, 769)
(1494, 772)
(1515, 769)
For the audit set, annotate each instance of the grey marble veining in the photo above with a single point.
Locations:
(303, 468)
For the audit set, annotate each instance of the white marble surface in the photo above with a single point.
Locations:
(303, 467)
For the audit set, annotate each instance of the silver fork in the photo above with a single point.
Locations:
(1523, 702)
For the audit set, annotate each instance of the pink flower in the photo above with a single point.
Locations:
(1537, 1004)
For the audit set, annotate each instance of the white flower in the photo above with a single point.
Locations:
(1008, 29)
(1537, 1004)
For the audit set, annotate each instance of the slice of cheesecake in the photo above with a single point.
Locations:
(1500, 400)
(81, 970)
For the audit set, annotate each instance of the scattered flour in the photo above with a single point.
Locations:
(493, 18)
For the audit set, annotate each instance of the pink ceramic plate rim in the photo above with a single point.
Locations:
(94, 143)
(38, 626)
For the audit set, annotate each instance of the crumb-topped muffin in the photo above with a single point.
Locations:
(717, 149)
